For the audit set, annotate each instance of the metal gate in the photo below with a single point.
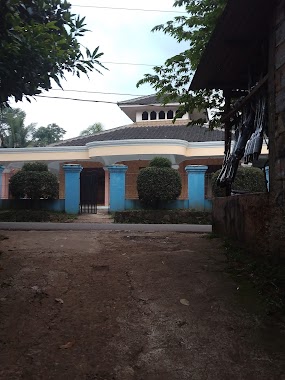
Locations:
(88, 191)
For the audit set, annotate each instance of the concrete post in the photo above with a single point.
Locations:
(72, 187)
(117, 187)
(107, 187)
(196, 186)
(2, 168)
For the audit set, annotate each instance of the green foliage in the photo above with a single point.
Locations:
(163, 217)
(51, 134)
(35, 167)
(39, 43)
(247, 179)
(156, 185)
(34, 184)
(13, 132)
(92, 129)
(260, 278)
(35, 216)
(172, 80)
(160, 162)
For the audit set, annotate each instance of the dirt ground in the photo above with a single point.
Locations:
(91, 305)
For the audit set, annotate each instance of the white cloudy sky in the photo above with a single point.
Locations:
(124, 37)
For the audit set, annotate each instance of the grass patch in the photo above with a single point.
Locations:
(261, 279)
(163, 217)
(35, 216)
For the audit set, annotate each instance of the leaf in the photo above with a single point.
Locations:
(185, 302)
(67, 345)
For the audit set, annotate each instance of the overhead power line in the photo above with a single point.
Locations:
(94, 101)
(79, 100)
(97, 92)
(129, 9)
(129, 63)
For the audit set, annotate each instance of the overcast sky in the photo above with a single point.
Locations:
(124, 36)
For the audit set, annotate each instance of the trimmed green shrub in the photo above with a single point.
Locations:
(248, 179)
(160, 162)
(34, 184)
(157, 185)
(35, 167)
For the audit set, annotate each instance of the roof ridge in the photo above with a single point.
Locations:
(137, 98)
(87, 136)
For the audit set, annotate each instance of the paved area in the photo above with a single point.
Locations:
(128, 305)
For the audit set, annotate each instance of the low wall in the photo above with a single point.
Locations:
(33, 204)
(244, 218)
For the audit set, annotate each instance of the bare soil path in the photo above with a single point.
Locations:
(116, 305)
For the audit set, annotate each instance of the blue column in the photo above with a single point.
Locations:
(267, 176)
(117, 187)
(196, 186)
(1, 172)
(72, 188)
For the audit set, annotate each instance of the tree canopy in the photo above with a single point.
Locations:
(92, 129)
(171, 81)
(38, 43)
(15, 134)
(48, 135)
(13, 131)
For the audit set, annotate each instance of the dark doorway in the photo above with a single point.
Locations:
(92, 189)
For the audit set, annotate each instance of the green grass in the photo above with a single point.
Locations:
(261, 279)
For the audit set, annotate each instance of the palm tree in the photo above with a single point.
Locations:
(13, 132)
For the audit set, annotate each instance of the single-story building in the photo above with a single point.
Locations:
(152, 133)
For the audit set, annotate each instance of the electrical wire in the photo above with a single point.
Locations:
(96, 101)
(128, 9)
(96, 92)
(129, 63)
(79, 100)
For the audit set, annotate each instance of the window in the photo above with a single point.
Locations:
(153, 115)
(170, 114)
(161, 115)
(145, 115)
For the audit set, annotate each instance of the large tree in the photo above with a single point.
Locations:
(13, 131)
(92, 129)
(172, 80)
(38, 43)
(48, 135)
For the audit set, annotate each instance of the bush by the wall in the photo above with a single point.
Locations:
(248, 179)
(157, 184)
(34, 184)
(160, 162)
(35, 167)
(163, 217)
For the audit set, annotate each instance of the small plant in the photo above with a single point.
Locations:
(34, 181)
(158, 183)
(248, 179)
